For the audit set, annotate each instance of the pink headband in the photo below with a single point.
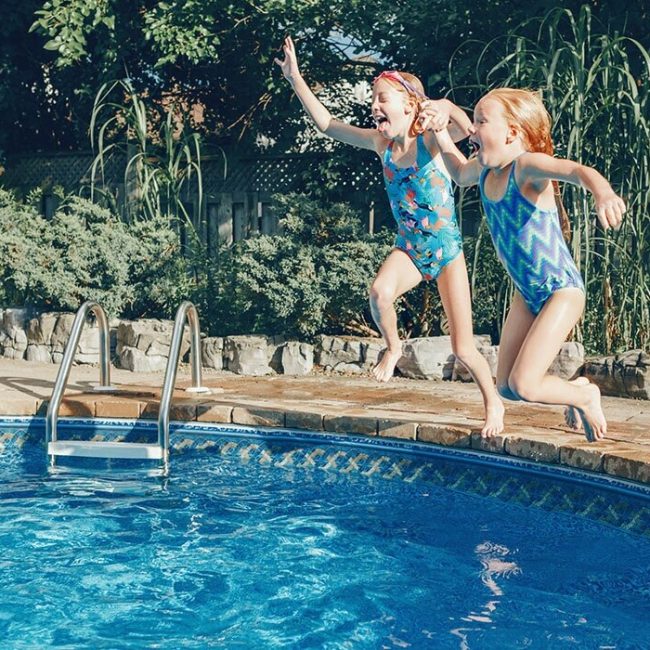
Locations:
(396, 76)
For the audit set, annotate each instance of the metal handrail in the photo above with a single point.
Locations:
(68, 357)
(186, 311)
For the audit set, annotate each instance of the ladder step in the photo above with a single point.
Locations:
(102, 449)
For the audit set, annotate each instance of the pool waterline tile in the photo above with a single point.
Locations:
(375, 459)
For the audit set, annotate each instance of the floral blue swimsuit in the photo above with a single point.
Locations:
(422, 201)
(530, 245)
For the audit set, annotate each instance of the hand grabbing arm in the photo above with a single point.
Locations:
(464, 172)
(438, 114)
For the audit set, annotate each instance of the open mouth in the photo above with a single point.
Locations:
(474, 147)
(379, 120)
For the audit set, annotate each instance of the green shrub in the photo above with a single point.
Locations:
(313, 277)
(86, 253)
(160, 273)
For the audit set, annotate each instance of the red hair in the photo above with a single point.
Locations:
(525, 110)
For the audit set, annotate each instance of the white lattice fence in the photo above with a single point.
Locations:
(233, 207)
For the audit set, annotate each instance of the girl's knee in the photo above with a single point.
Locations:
(522, 387)
(381, 295)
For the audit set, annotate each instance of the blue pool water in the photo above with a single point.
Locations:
(284, 541)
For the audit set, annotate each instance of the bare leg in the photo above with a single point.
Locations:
(515, 330)
(396, 276)
(454, 292)
(529, 379)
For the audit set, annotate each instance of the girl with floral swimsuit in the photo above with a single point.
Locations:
(428, 244)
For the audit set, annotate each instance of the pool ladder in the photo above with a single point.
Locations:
(110, 449)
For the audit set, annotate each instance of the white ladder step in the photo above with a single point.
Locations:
(103, 449)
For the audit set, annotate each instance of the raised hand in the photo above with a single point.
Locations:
(289, 64)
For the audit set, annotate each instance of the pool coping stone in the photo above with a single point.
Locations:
(446, 414)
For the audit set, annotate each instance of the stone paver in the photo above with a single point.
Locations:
(435, 412)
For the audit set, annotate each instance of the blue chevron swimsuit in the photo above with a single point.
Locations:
(530, 245)
(422, 201)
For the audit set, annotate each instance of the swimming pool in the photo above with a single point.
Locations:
(282, 539)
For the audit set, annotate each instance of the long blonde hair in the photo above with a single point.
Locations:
(524, 109)
(412, 87)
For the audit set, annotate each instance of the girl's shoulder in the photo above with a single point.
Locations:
(532, 160)
(533, 168)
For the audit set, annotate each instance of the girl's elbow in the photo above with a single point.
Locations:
(326, 128)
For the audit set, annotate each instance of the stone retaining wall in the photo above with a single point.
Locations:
(626, 374)
(142, 346)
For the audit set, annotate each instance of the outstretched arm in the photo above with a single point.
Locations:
(464, 172)
(358, 137)
(539, 168)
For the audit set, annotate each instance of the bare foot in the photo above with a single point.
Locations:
(571, 414)
(493, 419)
(593, 418)
(383, 371)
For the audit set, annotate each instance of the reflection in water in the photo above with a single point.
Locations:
(495, 566)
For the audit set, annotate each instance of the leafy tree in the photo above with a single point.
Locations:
(219, 55)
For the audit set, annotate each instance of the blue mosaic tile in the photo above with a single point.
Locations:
(347, 456)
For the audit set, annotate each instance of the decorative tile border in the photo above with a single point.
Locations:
(623, 504)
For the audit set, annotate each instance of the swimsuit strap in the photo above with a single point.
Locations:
(511, 180)
(423, 155)
(388, 152)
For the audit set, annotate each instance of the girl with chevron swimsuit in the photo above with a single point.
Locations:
(428, 244)
(517, 176)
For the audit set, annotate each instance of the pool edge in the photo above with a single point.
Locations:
(472, 455)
